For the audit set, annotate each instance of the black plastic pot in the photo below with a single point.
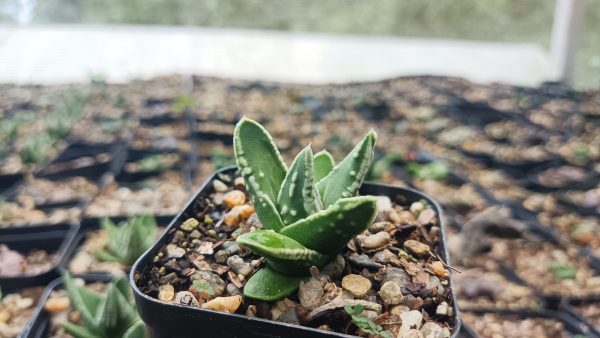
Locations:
(39, 324)
(53, 239)
(93, 223)
(177, 321)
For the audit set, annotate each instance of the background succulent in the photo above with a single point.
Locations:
(128, 240)
(104, 315)
(309, 212)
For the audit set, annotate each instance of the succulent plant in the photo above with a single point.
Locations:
(128, 240)
(104, 315)
(309, 212)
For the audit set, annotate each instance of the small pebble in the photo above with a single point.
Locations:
(434, 330)
(186, 298)
(173, 251)
(411, 334)
(251, 311)
(166, 292)
(391, 293)
(310, 293)
(205, 248)
(239, 181)
(411, 320)
(378, 226)
(233, 290)
(363, 261)
(376, 241)
(357, 285)
(237, 264)
(238, 214)
(438, 268)
(189, 225)
(4, 316)
(417, 248)
(442, 309)
(221, 256)
(335, 268)
(426, 216)
(228, 304)
(56, 305)
(417, 207)
(233, 198)
(219, 186)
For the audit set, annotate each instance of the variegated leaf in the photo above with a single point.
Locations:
(262, 167)
(324, 163)
(329, 230)
(346, 178)
(298, 196)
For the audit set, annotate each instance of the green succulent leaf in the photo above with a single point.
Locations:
(298, 197)
(103, 315)
(269, 285)
(137, 330)
(329, 230)
(283, 254)
(324, 163)
(128, 240)
(262, 167)
(78, 331)
(345, 178)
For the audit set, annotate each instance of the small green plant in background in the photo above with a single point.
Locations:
(382, 165)
(104, 315)
(365, 324)
(182, 104)
(563, 270)
(9, 129)
(36, 148)
(152, 163)
(128, 240)
(220, 159)
(65, 114)
(430, 171)
(309, 212)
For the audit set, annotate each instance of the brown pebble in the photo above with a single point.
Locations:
(228, 304)
(233, 198)
(359, 286)
(238, 214)
(438, 268)
(56, 305)
(166, 292)
(417, 248)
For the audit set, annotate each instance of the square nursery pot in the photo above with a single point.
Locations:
(178, 321)
(39, 324)
(53, 239)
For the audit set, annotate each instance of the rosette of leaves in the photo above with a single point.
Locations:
(128, 240)
(104, 315)
(309, 212)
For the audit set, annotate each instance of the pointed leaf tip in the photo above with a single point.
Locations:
(323, 163)
(346, 178)
(262, 167)
(298, 197)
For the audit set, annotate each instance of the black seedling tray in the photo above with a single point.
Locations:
(178, 321)
(53, 239)
(93, 170)
(93, 223)
(568, 306)
(39, 324)
(9, 181)
(564, 200)
(134, 155)
(573, 327)
(533, 182)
